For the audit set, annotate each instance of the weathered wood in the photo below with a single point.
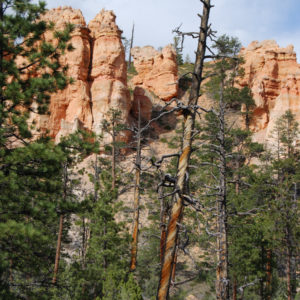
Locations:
(189, 122)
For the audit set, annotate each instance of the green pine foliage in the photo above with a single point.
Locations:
(41, 181)
(23, 54)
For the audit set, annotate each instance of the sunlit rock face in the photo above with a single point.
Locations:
(108, 70)
(157, 71)
(98, 68)
(273, 75)
(73, 102)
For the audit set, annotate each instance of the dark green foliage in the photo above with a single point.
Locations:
(21, 41)
(30, 185)
(100, 271)
(30, 176)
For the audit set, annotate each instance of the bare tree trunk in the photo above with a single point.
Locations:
(131, 44)
(134, 244)
(269, 274)
(189, 121)
(60, 229)
(84, 239)
(113, 164)
(96, 179)
(58, 248)
(222, 282)
(288, 274)
(163, 222)
(174, 264)
(290, 268)
(234, 292)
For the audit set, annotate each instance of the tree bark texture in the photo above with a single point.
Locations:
(189, 121)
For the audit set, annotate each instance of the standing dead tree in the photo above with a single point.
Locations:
(139, 132)
(131, 44)
(182, 170)
(134, 243)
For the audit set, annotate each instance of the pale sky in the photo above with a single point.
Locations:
(154, 20)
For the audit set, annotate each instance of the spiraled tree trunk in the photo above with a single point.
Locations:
(189, 121)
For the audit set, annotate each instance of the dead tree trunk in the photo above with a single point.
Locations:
(58, 248)
(131, 44)
(222, 284)
(113, 163)
(269, 274)
(60, 229)
(163, 222)
(288, 274)
(134, 244)
(234, 290)
(189, 121)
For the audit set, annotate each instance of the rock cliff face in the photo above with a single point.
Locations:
(273, 75)
(98, 68)
(157, 71)
(73, 102)
(108, 70)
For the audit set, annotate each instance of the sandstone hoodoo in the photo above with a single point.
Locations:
(157, 71)
(273, 75)
(108, 69)
(73, 102)
(97, 65)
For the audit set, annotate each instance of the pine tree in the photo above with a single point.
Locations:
(23, 55)
(224, 173)
(285, 206)
(102, 272)
(30, 176)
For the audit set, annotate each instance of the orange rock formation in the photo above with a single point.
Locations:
(273, 75)
(73, 102)
(157, 71)
(108, 69)
(98, 66)
(99, 69)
